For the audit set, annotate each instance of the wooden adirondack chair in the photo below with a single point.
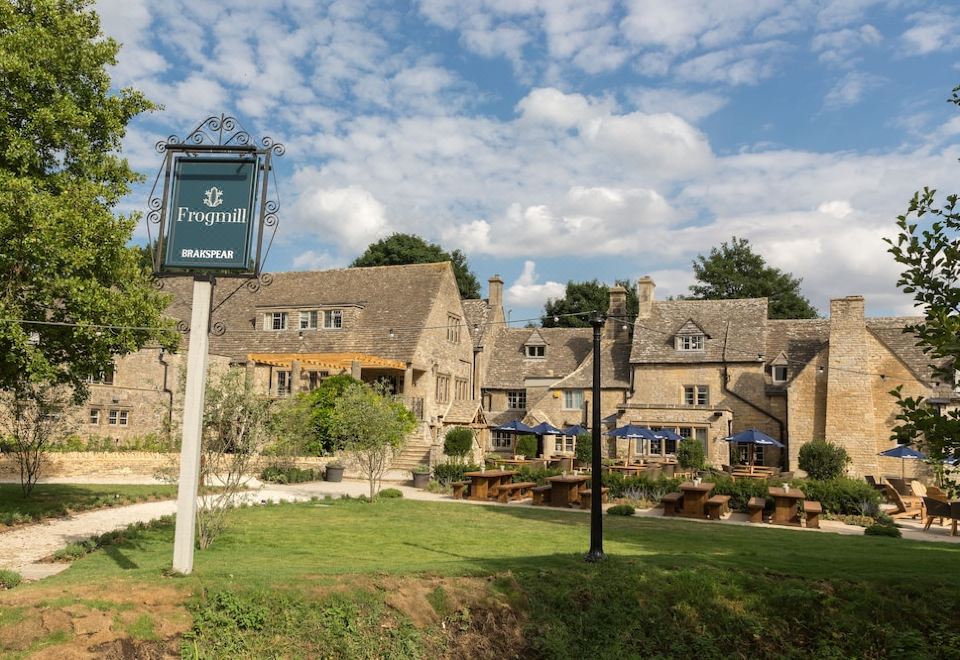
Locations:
(908, 506)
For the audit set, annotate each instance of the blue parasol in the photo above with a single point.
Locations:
(902, 452)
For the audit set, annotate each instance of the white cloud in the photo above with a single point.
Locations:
(526, 292)
(349, 217)
(931, 32)
(837, 208)
(851, 89)
(691, 106)
(741, 65)
(839, 47)
(313, 260)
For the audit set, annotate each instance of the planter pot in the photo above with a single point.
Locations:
(421, 479)
(333, 474)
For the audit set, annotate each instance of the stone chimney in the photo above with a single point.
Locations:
(495, 292)
(646, 288)
(850, 419)
(613, 327)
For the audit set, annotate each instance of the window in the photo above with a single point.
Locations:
(690, 342)
(743, 451)
(308, 320)
(696, 395)
(443, 389)
(502, 440)
(779, 374)
(536, 351)
(701, 434)
(333, 319)
(112, 417)
(94, 415)
(461, 389)
(124, 417)
(564, 443)
(275, 321)
(314, 378)
(517, 400)
(104, 377)
(453, 328)
(573, 399)
(282, 381)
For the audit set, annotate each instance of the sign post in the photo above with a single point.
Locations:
(211, 191)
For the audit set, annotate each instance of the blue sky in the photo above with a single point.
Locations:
(554, 140)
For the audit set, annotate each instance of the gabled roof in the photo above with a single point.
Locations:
(463, 412)
(536, 339)
(690, 328)
(568, 347)
(476, 315)
(381, 298)
(737, 325)
(890, 332)
(614, 368)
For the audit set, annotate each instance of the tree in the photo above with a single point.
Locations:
(691, 455)
(458, 443)
(928, 247)
(235, 426)
(401, 249)
(580, 297)
(33, 418)
(370, 427)
(823, 460)
(63, 252)
(734, 271)
(304, 423)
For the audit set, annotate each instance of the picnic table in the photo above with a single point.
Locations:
(785, 505)
(751, 472)
(484, 481)
(565, 489)
(695, 498)
(627, 469)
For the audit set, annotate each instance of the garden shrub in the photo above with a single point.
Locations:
(879, 529)
(823, 460)
(279, 474)
(526, 446)
(539, 475)
(458, 442)
(447, 473)
(583, 451)
(691, 455)
(390, 493)
(841, 495)
(741, 490)
(639, 487)
(8, 579)
(621, 510)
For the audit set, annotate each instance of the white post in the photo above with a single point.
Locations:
(192, 427)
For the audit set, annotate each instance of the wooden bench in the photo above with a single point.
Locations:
(671, 501)
(586, 497)
(812, 510)
(460, 489)
(541, 494)
(755, 506)
(515, 491)
(717, 506)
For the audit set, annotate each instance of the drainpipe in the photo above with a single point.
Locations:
(726, 388)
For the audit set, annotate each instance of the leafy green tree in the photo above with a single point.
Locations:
(526, 446)
(63, 251)
(400, 249)
(371, 428)
(304, 423)
(823, 460)
(691, 455)
(457, 443)
(734, 271)
(927, 246)
(580, 297)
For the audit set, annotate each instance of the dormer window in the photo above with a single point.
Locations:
(690, 342)
(536, 351)
(535, 347)
(778, 373)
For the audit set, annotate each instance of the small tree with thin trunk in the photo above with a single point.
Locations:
(370, 428)
(34, 416)
(235, 426)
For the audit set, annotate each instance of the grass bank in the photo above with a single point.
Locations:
(51, 500)
(415, 579)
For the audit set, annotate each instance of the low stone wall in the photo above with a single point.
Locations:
(128, 463)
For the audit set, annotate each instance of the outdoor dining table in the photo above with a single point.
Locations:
(565, 489)
(695, 498)
(785, 505)
(483, 481)
(627, 469)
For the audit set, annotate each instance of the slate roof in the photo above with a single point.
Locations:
(742, 323)
(614, 368)
(509, 366)
(375, 299)
(889, 330)
(461, 412)
(798, 339)
(476, 315)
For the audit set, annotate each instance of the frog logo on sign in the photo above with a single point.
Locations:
(200, 238)
(213, 197)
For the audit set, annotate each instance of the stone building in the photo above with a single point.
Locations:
(401, 325)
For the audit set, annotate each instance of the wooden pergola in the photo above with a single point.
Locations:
(329, 361)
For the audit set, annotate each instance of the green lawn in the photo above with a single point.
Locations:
(319, 576)
(48, 500)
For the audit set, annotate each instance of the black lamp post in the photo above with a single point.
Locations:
(596, 510)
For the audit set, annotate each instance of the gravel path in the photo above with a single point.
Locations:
(23, 547)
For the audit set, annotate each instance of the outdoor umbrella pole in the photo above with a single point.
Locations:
(596, 486)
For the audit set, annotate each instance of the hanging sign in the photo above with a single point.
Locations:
(209, 225)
